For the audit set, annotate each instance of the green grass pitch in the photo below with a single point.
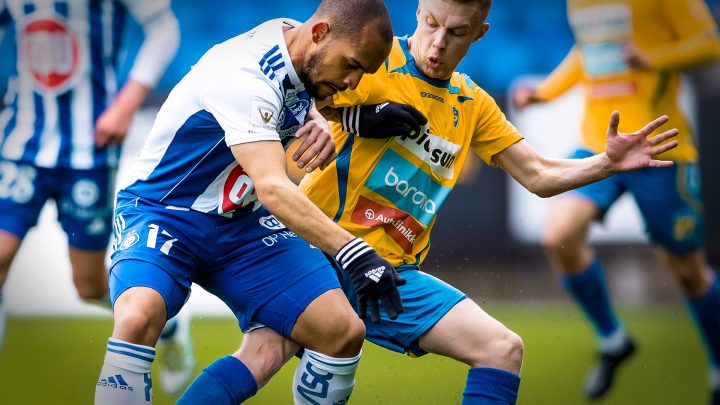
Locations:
(57, 360)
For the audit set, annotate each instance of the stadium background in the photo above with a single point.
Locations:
(485, 242)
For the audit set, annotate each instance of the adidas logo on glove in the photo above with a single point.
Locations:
(375, 273)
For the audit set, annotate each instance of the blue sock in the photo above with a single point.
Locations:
(490, 386)
(226, 381)
(706, 311)
(590, 292)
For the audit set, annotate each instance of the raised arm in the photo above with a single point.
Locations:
(162, 37)
(547, 177)
(562, 79)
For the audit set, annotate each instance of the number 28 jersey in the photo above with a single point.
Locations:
(389, 191)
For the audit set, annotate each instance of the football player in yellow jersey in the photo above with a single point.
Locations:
(388, 189)
(628, 56)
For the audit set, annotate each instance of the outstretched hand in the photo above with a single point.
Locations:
(635, 151)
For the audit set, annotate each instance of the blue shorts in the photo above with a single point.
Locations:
(426, 299)
(83, 197)
(669, 200)
(261, 270)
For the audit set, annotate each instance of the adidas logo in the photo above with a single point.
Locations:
(375, 274)
(116, 381)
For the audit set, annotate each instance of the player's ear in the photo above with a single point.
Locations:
(320, 31)
(483, 30)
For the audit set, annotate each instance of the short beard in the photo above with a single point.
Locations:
(311, 70)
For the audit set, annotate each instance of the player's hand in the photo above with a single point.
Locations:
(317, 148)
(523, 96)
(112, 125)
(384, 120)
(374, 279)
(634, 151)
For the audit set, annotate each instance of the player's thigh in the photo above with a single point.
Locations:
(468, 334)
(671, 204)
(425, 298)
(23, 192)
(9, 245)
(267, 274)
(158, 249)
(85, 207)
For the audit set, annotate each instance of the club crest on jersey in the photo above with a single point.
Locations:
(130, 240)
(50, 49)
(270, 222)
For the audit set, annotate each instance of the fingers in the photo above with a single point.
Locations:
(396, 302)
(417, 115)
(614, 123)
(664, 148)
(661, 163)
(362, 308)
(651, 127)
(658, 139)
(399, 280)
(307, 142)
(374, 310)
(388, 305)
(323, 158)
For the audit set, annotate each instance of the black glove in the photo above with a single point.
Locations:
(373, 277)
(384, 120)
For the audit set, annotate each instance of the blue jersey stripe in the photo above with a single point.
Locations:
(119, 19)
(65, 123)
(12, 122)
(196, 155)
(5, 18)
(97, 69)
(269, 54)
(28, 8)
(343, 171)
(61, 8)
(33, 145)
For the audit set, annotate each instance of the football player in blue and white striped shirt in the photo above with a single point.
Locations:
(64, 118)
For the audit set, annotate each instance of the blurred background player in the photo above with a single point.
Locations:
(208, 200)
(389, 182)
(61, 129)
(629, 56)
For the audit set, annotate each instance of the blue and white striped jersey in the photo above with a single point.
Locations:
(65, 74)
(242, 90)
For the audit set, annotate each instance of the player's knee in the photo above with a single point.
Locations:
(507, 351)
(91, 291)
(139, 327)
(553, 241)
(346, 338)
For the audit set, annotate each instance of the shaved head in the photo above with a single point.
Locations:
(349, 17)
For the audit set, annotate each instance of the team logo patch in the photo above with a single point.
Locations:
(270, 222)
(85, 193)
(50, 49)
(130, 240)
(399, 225)
(263, 116)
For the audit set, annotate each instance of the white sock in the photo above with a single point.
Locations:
(615, 342)
(3, 318)
(321, 379)
(125, 375)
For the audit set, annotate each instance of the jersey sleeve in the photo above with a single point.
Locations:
(493, 132)
(247, 108)
(564, 77)
(696, 35)
(5, 18)
(162, 38)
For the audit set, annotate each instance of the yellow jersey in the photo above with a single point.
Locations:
(671, 34)
(389, 191)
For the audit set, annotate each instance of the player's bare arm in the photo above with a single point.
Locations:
(113, 123)
(264, 162)
(624, 152)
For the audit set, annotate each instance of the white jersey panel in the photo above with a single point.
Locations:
(242, 90)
